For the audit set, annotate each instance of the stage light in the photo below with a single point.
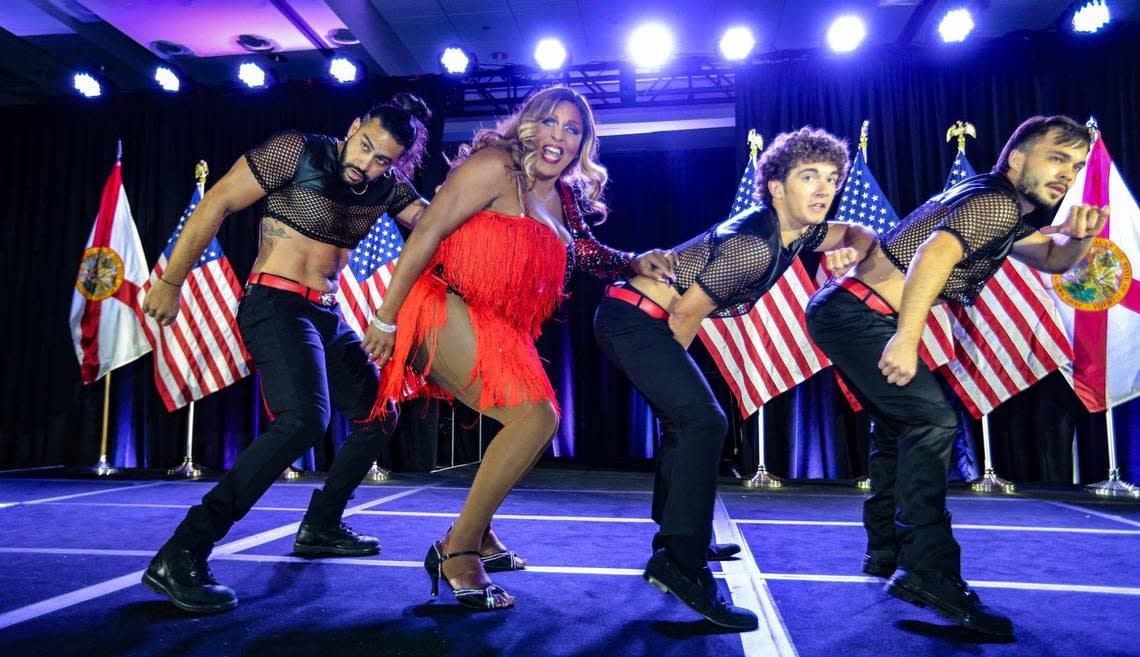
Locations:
(86, 84)
(550, 54)
(167, 79)
(1091, 17)
(455, 60)
(737, 43)
(956, 25)
(342, 69)
(846, 33)
(252, 75)
(651, 45)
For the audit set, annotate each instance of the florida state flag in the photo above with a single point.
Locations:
(105, 310)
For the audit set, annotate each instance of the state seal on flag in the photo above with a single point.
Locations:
(100, 273)
(1098, 282)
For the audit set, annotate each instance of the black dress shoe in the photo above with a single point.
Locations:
(952, 598)
(184, 577)
(722, 551)
(335, 541)
(698, 591)
(879, 567)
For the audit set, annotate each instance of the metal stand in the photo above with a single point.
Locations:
(762, 479)
(1114, 486)
(453, 464)
(377, 474)
(103, 467)
(989, 482)
(188, 470)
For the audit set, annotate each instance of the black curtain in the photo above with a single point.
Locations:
(911, 97)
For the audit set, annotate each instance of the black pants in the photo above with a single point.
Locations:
(694, 425)
(906, 516)
(308, 359)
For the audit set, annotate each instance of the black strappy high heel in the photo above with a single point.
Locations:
(501, 562)
(475, 598)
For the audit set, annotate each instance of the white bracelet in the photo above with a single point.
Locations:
(382, 326)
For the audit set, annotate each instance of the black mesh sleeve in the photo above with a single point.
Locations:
(737, 262)
(981, 220)
(274, 163)
(405, 195)
(813, 237)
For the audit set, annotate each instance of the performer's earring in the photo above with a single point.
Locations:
(388, 173)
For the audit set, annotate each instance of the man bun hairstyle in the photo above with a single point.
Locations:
(404, 117)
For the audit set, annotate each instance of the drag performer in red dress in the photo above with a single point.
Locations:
(484, 268)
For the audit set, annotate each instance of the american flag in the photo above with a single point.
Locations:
(201, 352)
(766, 351)
(364, 280)
(863, 202)
(1010, 338)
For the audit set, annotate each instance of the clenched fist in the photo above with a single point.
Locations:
(162, 302)
(840, 261)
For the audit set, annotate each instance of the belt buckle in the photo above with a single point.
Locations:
(327, 299)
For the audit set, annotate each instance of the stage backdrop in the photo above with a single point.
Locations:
(54, 159)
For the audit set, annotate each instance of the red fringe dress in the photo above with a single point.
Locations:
(510, 271)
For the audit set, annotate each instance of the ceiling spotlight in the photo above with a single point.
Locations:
(342, 69)
(87, 85)
(1091, 17)
(455, 60)
(956, 25)
(550, 54)
(651, 45)
(737, 43)
(846, 33)
(252, 75)
(167, 79)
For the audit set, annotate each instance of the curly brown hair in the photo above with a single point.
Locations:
(790, 149)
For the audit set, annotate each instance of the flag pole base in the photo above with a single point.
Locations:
(1114, 486)
(377, 474)
(187, 470)
(762, 479)
(103, 468)
(989, 482)
(291, 474)
(863, 483)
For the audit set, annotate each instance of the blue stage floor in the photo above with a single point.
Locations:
(1064, 566)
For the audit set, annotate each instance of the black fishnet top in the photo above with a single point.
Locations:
(735, 262)
(983, 212)
(301, 176)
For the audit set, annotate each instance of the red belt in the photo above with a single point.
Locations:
(866, 295)
(281, 283)
(638, 300)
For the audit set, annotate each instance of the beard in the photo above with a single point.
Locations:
(1027, 186)
(345, 168)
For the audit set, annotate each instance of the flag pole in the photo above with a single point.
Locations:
(188, 470)
(1114, 486)
(103, 467)
(989, 482)
(762, 479)
(864, 481)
